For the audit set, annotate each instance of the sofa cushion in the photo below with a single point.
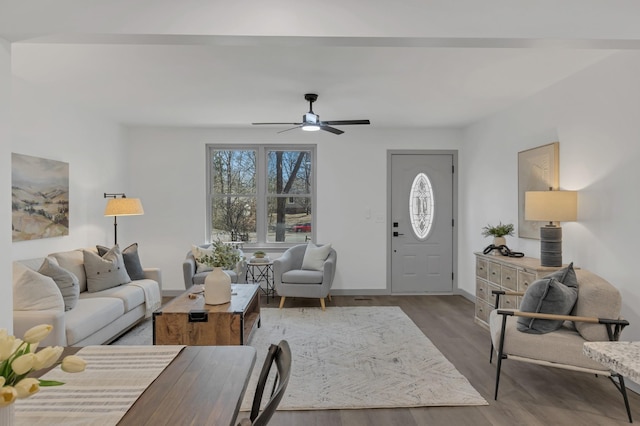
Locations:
(301, 276)
(65, 280)
(314, 256)
(106, 271)
(90, 315)
(596, 298)
(131, 295)
(33, 291)
(73, 261)
(131, 260)
(563, 346)
(547, 296)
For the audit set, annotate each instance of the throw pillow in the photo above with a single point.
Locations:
(65, 280)
(314, 256)
(566, 276)
(547, 296)
(33, 291)
(198, 252)
(105, 272)
(131, 260)
(73, 261)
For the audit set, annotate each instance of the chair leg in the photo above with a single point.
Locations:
(491, 353)
(282, 301)
(329, 297)
(322, 303)
(500, 354)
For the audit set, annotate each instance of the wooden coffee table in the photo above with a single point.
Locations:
(187, 320)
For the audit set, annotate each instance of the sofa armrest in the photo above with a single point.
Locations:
(154, 274)
(281, 265)
(24, 320)
(188, 270)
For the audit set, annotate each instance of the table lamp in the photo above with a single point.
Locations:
(122, 206)
(551, 206)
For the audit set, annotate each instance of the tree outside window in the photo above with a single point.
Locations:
(261, 194)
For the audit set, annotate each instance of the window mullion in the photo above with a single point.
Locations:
(261, 199)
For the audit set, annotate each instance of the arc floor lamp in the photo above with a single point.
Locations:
(122, 206)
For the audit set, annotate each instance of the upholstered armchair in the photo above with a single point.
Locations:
(315, 281)
(193, 276)
(594, 317)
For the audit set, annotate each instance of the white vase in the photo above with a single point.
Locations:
(217, 287)
(8, 415)
(499, 241)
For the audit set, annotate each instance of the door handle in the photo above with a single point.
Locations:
(396, 234)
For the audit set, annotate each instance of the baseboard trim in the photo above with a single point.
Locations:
(470, 297)
(363, 292)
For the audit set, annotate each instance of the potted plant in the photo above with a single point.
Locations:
(217, 284)
(259, 254)
(498, 233)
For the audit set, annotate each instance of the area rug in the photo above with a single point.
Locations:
(358, 357)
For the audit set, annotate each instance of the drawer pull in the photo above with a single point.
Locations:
(508, 278)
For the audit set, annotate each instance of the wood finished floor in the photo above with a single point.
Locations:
(529, 394)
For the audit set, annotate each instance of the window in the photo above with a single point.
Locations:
(421, 206)
(260, 194)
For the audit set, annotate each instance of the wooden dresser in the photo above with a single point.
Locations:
(497, 272)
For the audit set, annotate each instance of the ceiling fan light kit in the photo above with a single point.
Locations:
(311, 121)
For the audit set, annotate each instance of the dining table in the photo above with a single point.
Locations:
(202, 385)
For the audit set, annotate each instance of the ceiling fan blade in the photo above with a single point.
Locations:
(331, 129)
(346, 122)
(286, 130)
(282, 124)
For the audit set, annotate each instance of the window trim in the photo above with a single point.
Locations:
(261, 189)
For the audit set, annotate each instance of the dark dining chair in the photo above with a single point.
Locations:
(280, 355)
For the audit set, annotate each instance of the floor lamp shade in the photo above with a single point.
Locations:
(121, 207)
(551, 206)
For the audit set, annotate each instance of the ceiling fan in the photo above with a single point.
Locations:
(311, 121)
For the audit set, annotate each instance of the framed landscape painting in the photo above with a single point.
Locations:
(39, 198)
(538, 170)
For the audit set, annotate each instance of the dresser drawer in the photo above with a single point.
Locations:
(508, 302)
(509, 278)
(524, 279)
(492, 297)
(482, 290)
(494, 272)
(481, 268)
(483, 310)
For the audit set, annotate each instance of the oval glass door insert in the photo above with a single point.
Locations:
(421, 206)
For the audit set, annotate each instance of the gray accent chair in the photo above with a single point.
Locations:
(595, 317)
(191, 277)
(291, 280)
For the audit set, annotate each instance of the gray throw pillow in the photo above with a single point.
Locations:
(566, 276)
(131, 260)
(66, 281)
(547, 296)
(105, 272)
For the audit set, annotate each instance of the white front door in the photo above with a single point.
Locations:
(421, 223)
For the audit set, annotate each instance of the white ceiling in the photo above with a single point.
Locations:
(155, 69)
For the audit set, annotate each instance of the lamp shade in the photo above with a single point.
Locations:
(551, 206)
(123, 207)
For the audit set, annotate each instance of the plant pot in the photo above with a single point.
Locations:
(499, 241)
(8, 415)
(217, 287)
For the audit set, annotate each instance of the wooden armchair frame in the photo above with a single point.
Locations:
(613, 326)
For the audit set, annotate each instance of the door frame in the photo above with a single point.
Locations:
(454, 245)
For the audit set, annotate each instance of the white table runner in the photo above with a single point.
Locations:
(114, 379)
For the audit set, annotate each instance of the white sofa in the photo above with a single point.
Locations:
(97, 317)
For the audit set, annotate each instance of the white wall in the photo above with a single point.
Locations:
(96, 153)
(167, 166)
(6, 304)
(594, 115)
